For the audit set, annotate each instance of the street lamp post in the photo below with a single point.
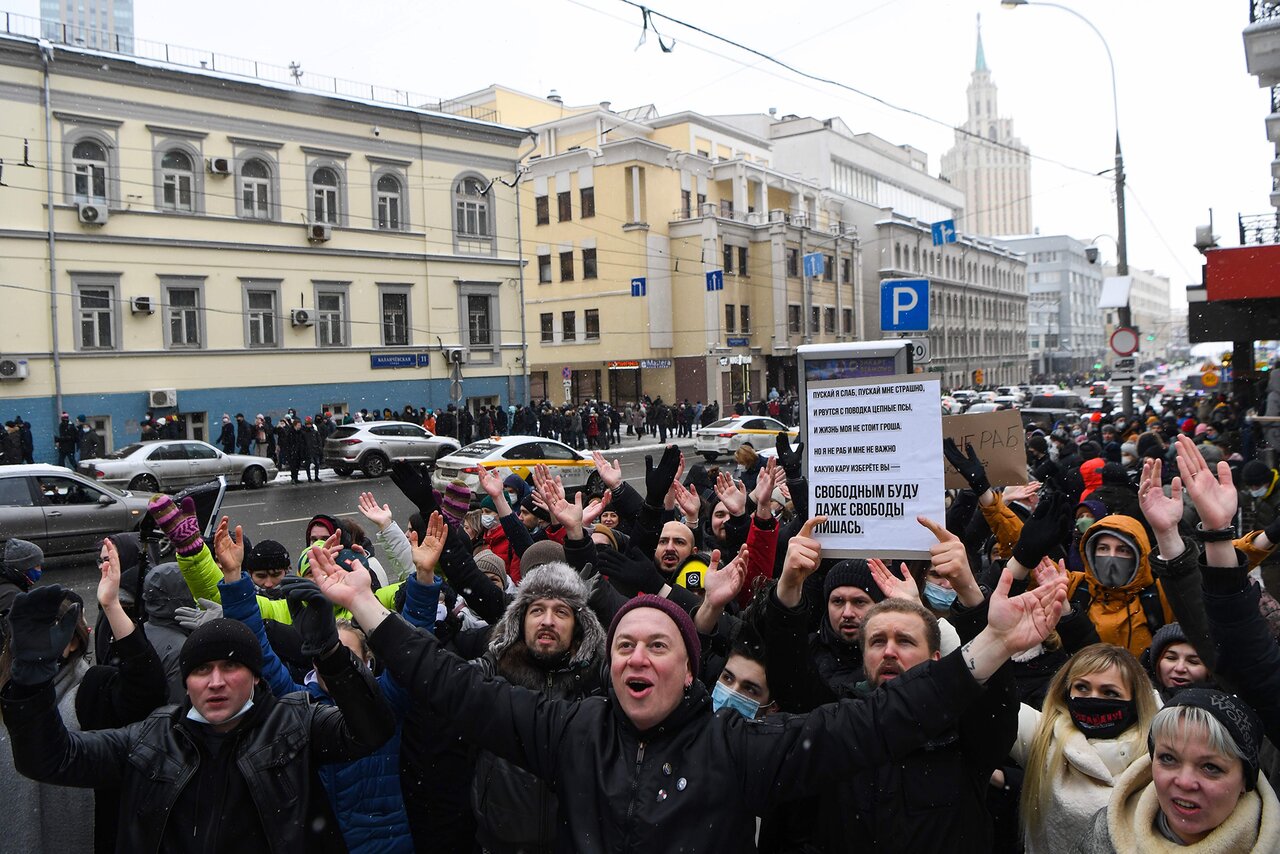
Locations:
(1122, 244)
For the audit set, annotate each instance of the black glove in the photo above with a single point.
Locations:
(415, 487)
(1042, 532)
(632, 570)
(37, 635)
(970, 467)
(312, 615)
(658, 480)
(792, 462)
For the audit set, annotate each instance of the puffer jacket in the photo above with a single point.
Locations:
(1117, 612)
(695, 781)
(163, 592)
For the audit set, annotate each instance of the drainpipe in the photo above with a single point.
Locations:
(46, 56)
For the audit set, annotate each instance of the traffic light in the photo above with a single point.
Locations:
(978, 377)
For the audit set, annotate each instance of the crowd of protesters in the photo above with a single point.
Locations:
(1087, 662)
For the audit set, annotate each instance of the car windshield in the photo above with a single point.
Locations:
(476, 450)
(121, 453)
(343, 432)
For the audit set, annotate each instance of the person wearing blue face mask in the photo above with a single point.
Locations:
(22, 565)
(743, 684)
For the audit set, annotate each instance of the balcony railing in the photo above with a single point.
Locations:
(24, 26)
(1259, 229)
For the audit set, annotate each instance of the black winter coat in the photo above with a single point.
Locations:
(1248, 656)
(813, 668)
(694, 782)
(160, 763)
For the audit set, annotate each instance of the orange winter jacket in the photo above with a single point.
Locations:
(1117, 612)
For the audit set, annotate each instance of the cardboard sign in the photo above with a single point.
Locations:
(874, 451)
(998, 438)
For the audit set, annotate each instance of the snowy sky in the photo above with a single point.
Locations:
(1192, 119)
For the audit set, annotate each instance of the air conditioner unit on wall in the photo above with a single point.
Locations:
(302, 317)
(13, 369)
(219, 165)
(141, 305)
(456, 355)
(92, 214)
(319, 232)
(162, 398)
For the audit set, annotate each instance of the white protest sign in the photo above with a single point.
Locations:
(874, 452)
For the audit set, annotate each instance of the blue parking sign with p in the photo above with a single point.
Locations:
(904, 305)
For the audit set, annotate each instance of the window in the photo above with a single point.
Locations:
(587, 200)
(255, 189)
(182, 315)
(847, 320)
(14, 492)
(96, 312)
(331, 318)
(479, 320)
(742, 260)
(702, 203)
(589, 263)
(730, 317)
(686, 204)
(846, 272)
(815, 316)
(793, 262)
(388, 202)
(546, 321)
(542, 210)
(566, 266)
(793, 319)
(324, 195)
(829, 320)
(591, 324)
(828, 268)
(564, 207)
(471, 209)
(262, 318)
(395, 318)
(177, 180)
(569, 325)
(544, 269)
(89, 165)
(744, 312)
(726, 208)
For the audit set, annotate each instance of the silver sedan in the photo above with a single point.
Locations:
(170, 465)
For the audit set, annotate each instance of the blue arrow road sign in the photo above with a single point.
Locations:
(904, 305)
(813, 265)
(638, 286)
(715, 280)
(944, 232)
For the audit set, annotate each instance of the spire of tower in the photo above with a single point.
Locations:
(981, 63)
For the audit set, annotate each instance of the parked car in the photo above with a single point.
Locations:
(1058, 400)
(374, 445)
(1009, 401)
(516, 455)
(170, 465)
(1098, 389)
(981, 407)
(728, 434)
(64, 512)
(1046, 419)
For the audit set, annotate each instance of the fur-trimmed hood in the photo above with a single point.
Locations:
(553, 580)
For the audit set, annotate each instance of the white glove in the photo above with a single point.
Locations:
(193, 618)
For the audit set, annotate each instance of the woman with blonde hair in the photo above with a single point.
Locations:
(1097, 711)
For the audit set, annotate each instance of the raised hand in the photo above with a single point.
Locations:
(380, 516)
(1041, 532)
(610, 472)
(593, 511)
(490, 482)
(1215, 496)
(1021, 492)
(228, 551)
(792, 461)
(193, 618)
(631, 571)
(109, 584)
(731, 494)
(657, 479)
(804, 553)
(891, 585)
(721, 584)
(426, 554)
(950, 560)
(1024, 621)
(968, 464)
(38, 634)
(312, 616)
(1163, 512)
(686, 499)
(1048, 572)
(341, 586)
(770, 476)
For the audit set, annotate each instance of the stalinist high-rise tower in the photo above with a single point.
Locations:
(988, 163)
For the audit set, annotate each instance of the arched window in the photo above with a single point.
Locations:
(89, 165)
(177, 179)
(324, 195)
(388, 202)
(471, 209)
(255, 189)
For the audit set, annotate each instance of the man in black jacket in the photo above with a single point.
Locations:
(231, 768)
(648, 768)
(65, 442)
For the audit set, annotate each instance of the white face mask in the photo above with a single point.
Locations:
(1260, 491)
(488, 521)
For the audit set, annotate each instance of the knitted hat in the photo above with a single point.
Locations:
(219, 640)
(267, 554)
(678, 615)
(608, 533)
(455, 501)
(1201, 429)
(777, 495)
(1239, 720)
(541, 552)
(554, 581)
(329, 524)
(490, 564)
(1129, 448)
(1113, 474)
(852, 573)
(22, 556)
(1255, 473)
(1168, 635)
(1149, 446)
(527, 505)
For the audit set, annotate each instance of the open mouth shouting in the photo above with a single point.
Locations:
(638, 687)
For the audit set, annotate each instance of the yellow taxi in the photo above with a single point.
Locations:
(516, 455)
(728, 434)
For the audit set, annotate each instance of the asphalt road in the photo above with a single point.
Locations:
(280, 512)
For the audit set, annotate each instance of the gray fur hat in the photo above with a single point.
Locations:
(553, 580)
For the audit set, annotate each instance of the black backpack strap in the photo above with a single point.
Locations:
(1149, 596)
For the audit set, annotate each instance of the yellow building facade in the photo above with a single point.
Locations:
(195, 244)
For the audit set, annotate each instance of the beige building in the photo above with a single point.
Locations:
(196, 243)
(1149, 308)
(624, 215)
